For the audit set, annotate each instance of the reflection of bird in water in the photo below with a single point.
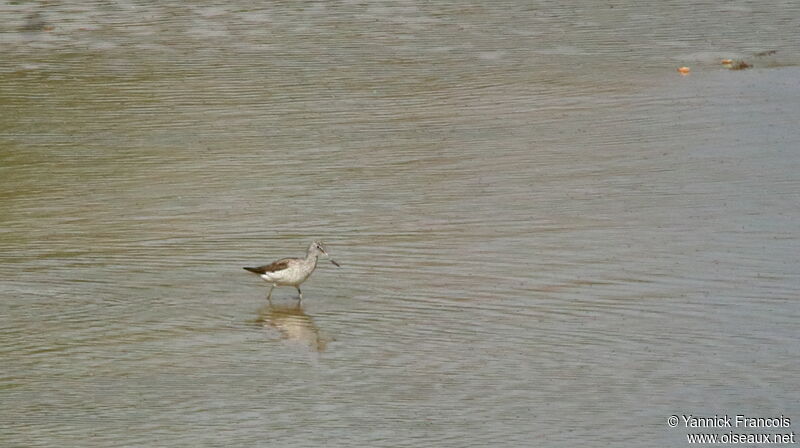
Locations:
(293, 324)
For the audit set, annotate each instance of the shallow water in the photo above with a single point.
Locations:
(547, 236)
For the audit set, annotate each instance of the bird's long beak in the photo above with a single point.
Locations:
(329, 258)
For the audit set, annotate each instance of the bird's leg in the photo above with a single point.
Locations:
(300, 292)
(269, 296)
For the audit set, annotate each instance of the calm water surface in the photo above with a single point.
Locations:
(548, 237)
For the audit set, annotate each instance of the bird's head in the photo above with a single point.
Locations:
(317, 248)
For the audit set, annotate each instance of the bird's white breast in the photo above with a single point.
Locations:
(293, 275)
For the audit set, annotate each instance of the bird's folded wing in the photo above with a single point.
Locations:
(272, 267)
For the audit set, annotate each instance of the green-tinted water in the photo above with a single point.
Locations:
(548, 236)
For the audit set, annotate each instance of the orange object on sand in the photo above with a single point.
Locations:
(684, 70)
(727, 61)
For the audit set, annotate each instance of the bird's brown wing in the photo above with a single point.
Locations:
(272, 267)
